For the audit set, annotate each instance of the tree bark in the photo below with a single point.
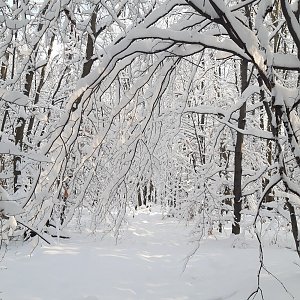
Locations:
(294, 224)
(238, 170)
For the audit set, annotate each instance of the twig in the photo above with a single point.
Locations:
(29, 227)
(263, 267)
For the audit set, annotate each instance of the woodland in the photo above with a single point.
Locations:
(107, 106)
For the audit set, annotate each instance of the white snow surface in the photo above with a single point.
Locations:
(146, 263)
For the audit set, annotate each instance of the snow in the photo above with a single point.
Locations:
(286, 60)
(284, 95)
(14, 97)
(7, 147)
(7, 205)
(16, 24)
(146, 263)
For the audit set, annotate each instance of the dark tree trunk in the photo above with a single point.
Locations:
(237, 190)
(294, 226)
(19, 134)
(265, 181)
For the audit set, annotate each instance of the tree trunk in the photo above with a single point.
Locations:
(19, 135)
(294, 224)
(237, 190)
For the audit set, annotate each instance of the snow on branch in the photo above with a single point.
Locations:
(14, 97)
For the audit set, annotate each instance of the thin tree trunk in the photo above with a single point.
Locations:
(19, 134)
(294, 224)
(237, 190)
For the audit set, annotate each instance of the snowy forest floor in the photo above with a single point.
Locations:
(146, 263)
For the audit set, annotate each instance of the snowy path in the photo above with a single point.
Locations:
(146, 264)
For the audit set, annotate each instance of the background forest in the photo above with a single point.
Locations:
(110, 105)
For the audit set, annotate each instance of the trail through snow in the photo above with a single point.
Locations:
(146, 263)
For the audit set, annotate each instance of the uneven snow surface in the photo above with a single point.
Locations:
(147, 263)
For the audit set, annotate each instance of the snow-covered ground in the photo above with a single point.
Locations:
(146, 263)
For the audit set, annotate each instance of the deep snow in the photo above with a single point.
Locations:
(146, 263)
